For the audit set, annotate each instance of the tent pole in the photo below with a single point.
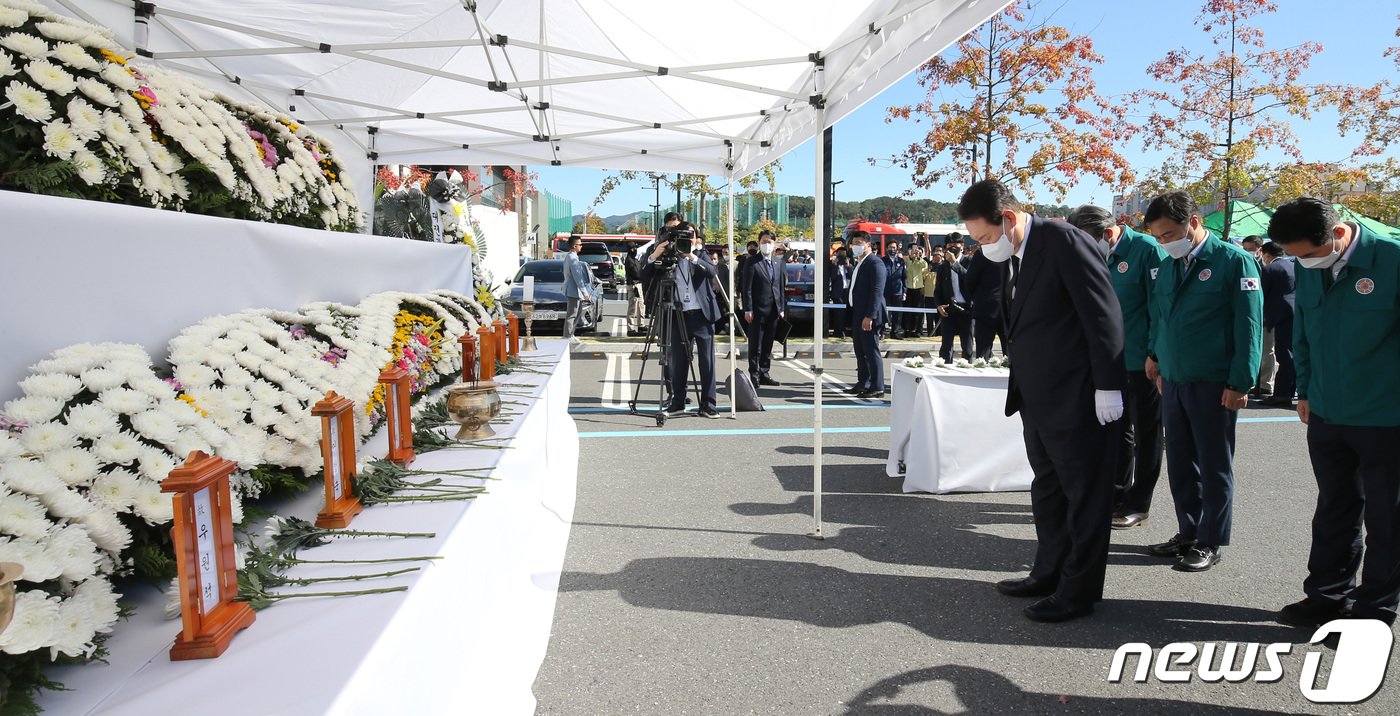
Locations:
(733, 294)
(818, 298)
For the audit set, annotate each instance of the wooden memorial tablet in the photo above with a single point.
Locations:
(337, 415)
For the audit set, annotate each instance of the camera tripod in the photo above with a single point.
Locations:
(669, 313)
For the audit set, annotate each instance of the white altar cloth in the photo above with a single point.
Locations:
(949, 430)
(468, 637)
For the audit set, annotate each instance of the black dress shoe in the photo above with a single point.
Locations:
(1312, 612)
(1174, 547)
(710, 413)
(1198, 559)
(1277, 401)
(1025, 587)
(1053, 610)
(871, 394)
(765, 380)
(1132, 519)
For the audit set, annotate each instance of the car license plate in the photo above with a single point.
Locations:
(808, 296)
(549, 315)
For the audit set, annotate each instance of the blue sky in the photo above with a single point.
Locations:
(1353, 33)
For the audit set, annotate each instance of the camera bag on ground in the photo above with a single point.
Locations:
(740, 387)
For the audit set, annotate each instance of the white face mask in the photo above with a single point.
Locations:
(999, 251)
(1322, 262)
(1104, 247)
(1180, 247)
(857, 250)
(766, 248)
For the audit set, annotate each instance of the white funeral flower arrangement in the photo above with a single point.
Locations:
(914, 362)
(134, 133)
(82, 454)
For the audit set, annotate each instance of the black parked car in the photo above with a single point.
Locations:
(550, 302)
(800, 278)
(598, 258)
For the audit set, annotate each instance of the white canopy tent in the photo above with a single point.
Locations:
(719, 88)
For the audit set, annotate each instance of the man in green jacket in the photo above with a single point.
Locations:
(1133, 261)
(1346, 338)
(1204, 346)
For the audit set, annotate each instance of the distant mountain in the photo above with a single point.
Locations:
(616, 221)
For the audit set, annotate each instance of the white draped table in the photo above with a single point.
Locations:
(468, 636)
(949, 431)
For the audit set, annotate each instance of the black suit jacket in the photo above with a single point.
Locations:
(867, 294)
(982, 286)
(1064, 329)
(1278, 279)
(763, 294)
(943, 293)
(702, 278)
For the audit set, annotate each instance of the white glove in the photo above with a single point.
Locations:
(1108, 405)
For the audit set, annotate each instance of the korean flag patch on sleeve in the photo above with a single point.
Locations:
(1249, 284)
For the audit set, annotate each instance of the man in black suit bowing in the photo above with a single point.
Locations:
(763, 287)
(867, 309)
(1065, 339)
(695, 334)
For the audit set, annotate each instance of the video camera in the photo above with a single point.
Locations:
(678, 242)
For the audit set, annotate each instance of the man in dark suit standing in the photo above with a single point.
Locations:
(1065, 339)
(867, 309)
(695, 293)
(983, 283)
(1279, 277)
(763, 287)
(895, 287)
(954, 302)
(838, 290)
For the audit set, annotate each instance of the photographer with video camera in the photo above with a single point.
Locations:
(696, 309)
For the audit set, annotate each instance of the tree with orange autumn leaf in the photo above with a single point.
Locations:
(1218, 110)
(1017, 101)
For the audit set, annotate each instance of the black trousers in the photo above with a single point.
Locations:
(913, 298)
(956, 324)
(932, 318)
(870, 365)
(1140, 449)
(986, 330)
(699, 334)
(1286, 379)
(1200, 437)
(1358, 482)
(1072, 502)
(840, 324)
(763, 330)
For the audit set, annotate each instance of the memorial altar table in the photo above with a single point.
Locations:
(468, 636)
(949, 431)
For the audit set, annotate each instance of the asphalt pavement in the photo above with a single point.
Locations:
(691, 586)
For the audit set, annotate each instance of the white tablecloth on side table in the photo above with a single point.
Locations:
(949, 428)
(468, 636)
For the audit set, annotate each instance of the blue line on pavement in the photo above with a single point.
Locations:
(753, 431)
(1288, 419)
(725, 409)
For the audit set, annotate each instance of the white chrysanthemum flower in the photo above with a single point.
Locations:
(195, 375)
(156, 464)
(264, 392)
(154, 506)
(51, 385)
(154, 387)
(186, 443)
(75, 56)
(118, 77)
(119, 449)
(30, 102)
(98, 595)
(74, 466)
(31, 477)
(73, 630)
(23, 516)
(131, 369)
(34, 409)
(116, 490)
(7, 65)
(33, 625)
(90, 168)
(10, 447)
(106, 531)
(47, 437)
(12, 17)
(84, 118)
(235, 510)
(69, 31)
(60, 141)
(28, 45)
(29, 553)
(51, 77)
(101, 94)
(74, 551)
(92, 421)
(155, 425)
(102, 379)
(66, 504)
(264, 415)
(125, 400)
(172, 600)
